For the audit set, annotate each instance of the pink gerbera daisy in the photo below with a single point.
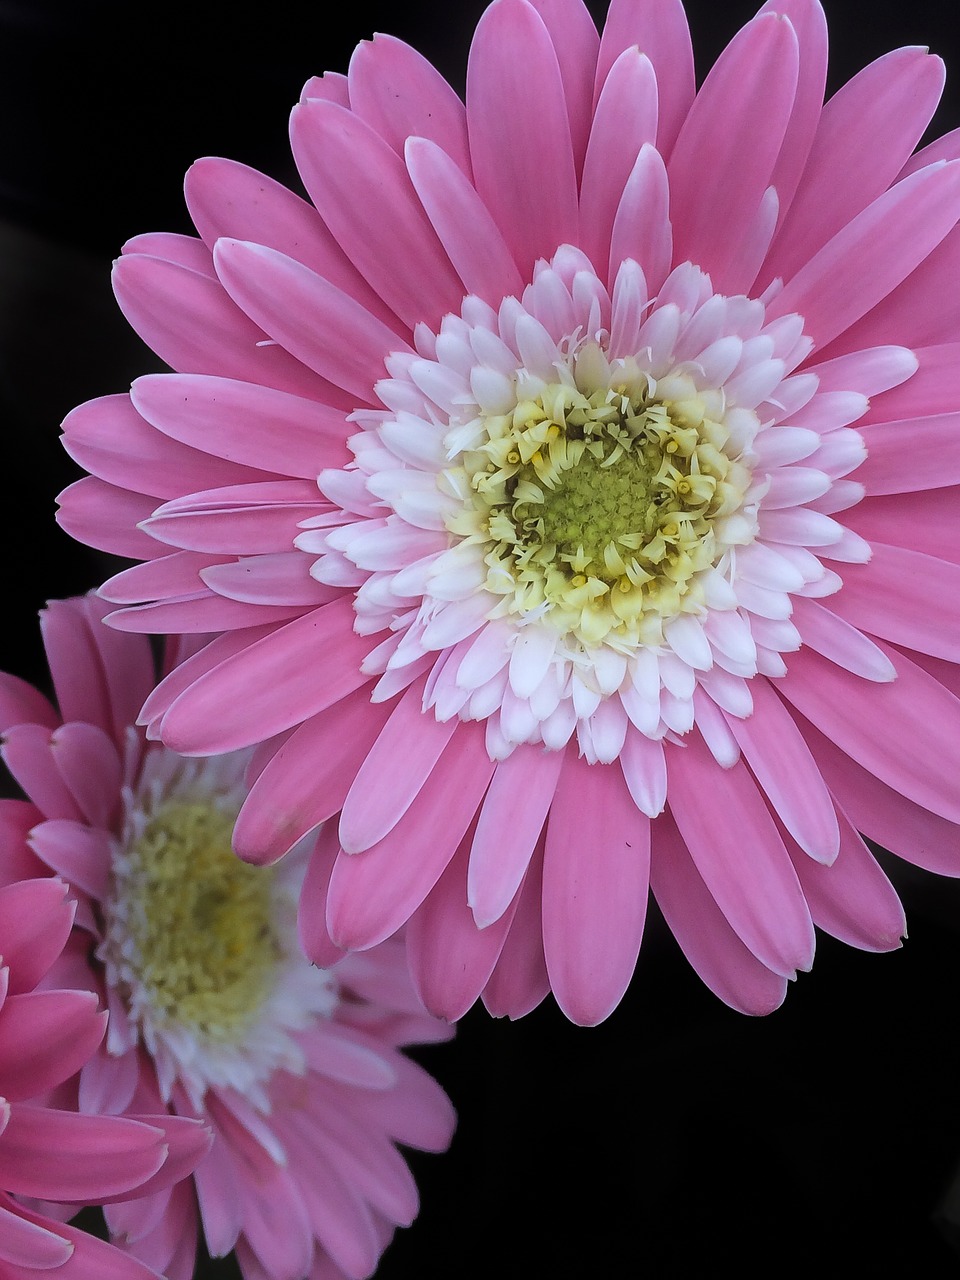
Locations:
(214, 1013)
(46, 1035)
(573, 484)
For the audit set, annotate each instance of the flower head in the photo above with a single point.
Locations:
(572, 485)
(214, 1013)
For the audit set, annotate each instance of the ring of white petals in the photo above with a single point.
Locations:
(577, 511)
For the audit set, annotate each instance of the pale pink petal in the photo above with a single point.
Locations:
(360, 186)
(79, 853)
(659, 29)
(723, 962)
(173, 575)
(26, 752)
(106, 517)
(642, 230)
(915, 455)
(520, 980)
(396, 91)
(593, 907)
(518, 126)
(761, 900)
(366, 903)
(280, 578)
(577, 43)
(837, 640)
(739, 119)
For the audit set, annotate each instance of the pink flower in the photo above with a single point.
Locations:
(215, 1016)
(46, 1151)
(574, 488)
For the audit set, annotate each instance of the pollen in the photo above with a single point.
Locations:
(201, 939)
(598, 506)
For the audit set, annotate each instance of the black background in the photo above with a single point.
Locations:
(677, 1139)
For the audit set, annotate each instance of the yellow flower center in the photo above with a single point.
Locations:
(596, 506)
(204, 946)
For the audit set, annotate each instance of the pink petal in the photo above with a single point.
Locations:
(781, 762)
(901, 732)
(520, 981)
(307, 780)
(315, 939)
(659, 29)
(58, 1155)
(830, 636)
(185, 251)
(576, 42)
(904, 596)
(255, 425)
(26, 752)
(35, 922)
(870, 256)
(243, 520)
(894, 99)
(518, 126)
(298, 669)
(173, 575)
(229, 199)
(932, 390)
(738, 119)
(314, 320)
(46, 1036)
(279, 579)
(642, 229)
(852, 900)
(29, 1245)
(923, 521)
(595, 874)
(79, 853)
(198, 615)
(399, 94)
(88, 762)
(720, 813)
(360, 186)
(464, 225)
(625, 119)
(913, 455)
(75, 665)
(108, 438)
(105, 517)
(21, 703)
(92, 1259)
(511, 820)
(395, 770)
(729, 969)
(374, 892)
(193, 326)
(451, 960)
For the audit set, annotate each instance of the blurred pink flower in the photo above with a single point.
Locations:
(214, 1013)
(520, 477)
(46, 1151)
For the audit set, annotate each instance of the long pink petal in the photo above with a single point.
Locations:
(307, 780)
(625, 119)
(739, 120)
(400, 94)
(105, 517)
(396, 767)
(360, 186)
(26, 752)
(78, 676)
(723, 962)
(933, 389)
(735, 845)
(642, 229)
(373, 893)
(89, 763)
(92, 1259)
(511, 820)
(519, 127)
(451, 960)
(297, 670)
(174, 575)
(242, 520)
(520, 980)
(201, 614)
(781, 762)
(60, 1155)
(577, 43)
(35, 922)
(913, 455)
(923, 521)
(886, 816)
(29, 1245)
(258, 426)
(79, 853)
(21, 703)
(194, 327)
(108, 438)
(226, 198)
(823, 631)
(852, 900)
(464, 225)
(596, 869)
(280, 578)
(810, 24)
(902, 732)
(312, 319)
(894, 99)
(659, 29)
(906, 597)
(46, 1036)
(870, 256)
(318, 946)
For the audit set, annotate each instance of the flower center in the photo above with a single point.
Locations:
(204, 945)
(596, 504)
